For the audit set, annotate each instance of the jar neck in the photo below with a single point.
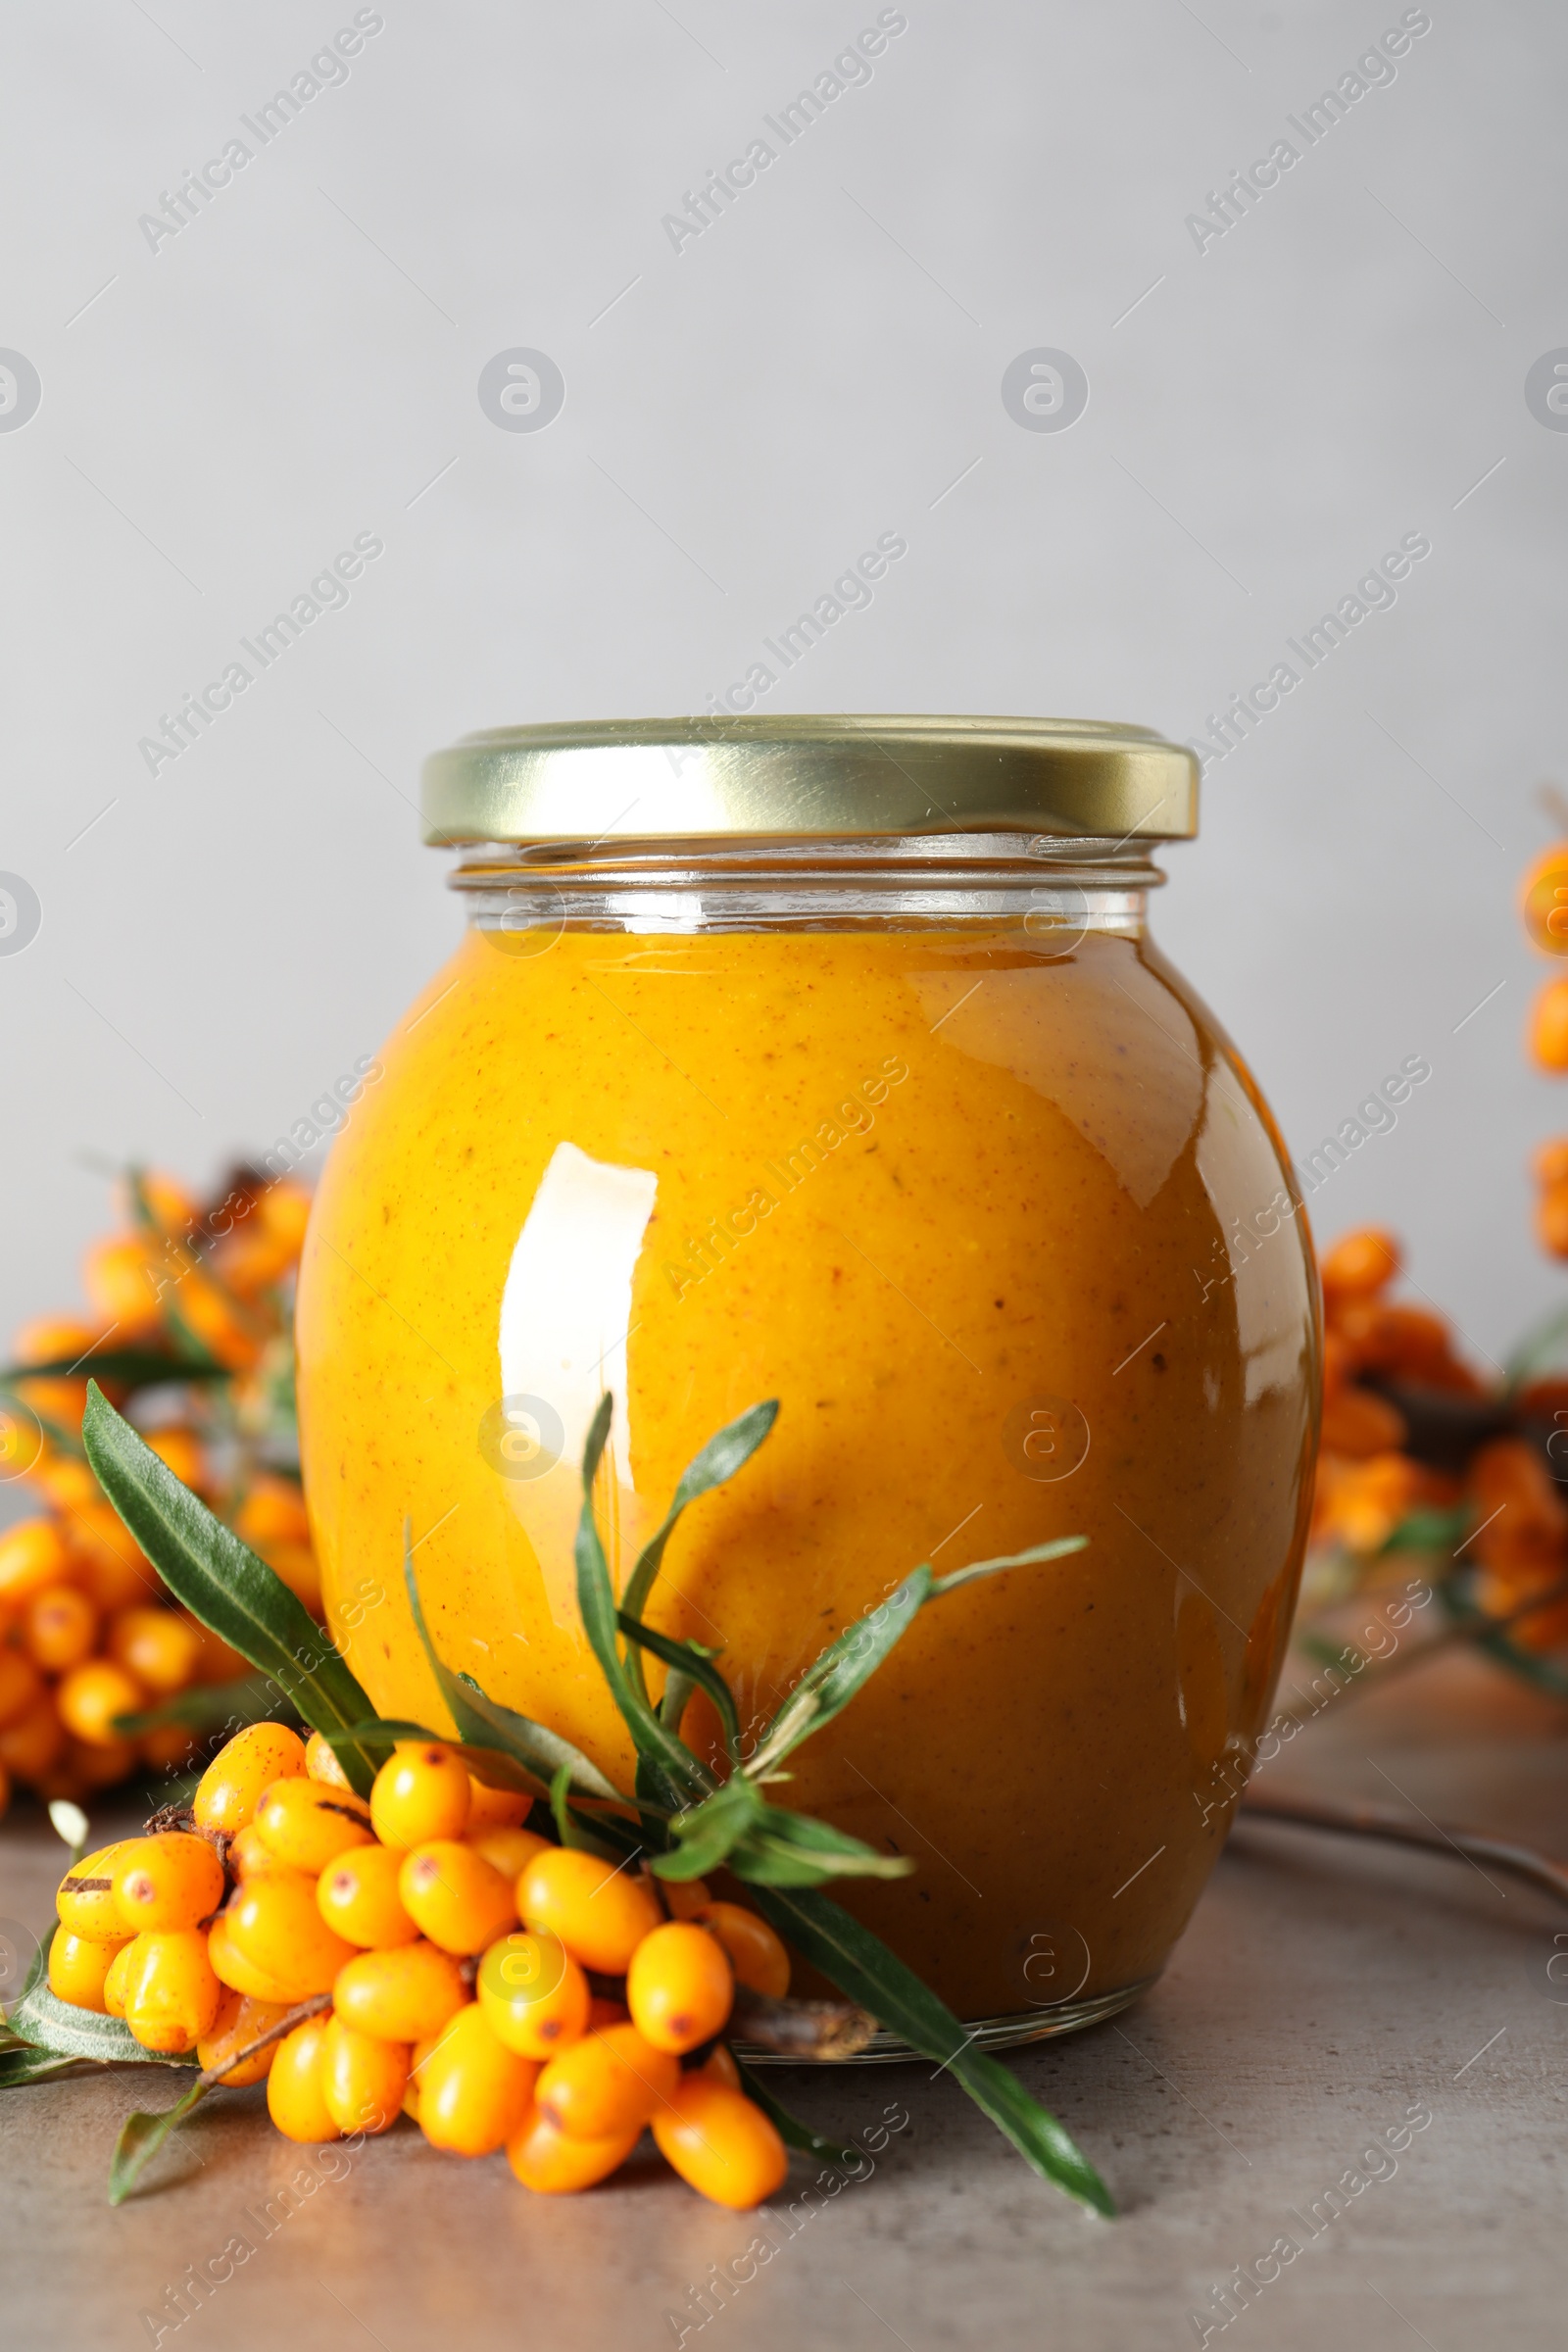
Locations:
(1039, 882)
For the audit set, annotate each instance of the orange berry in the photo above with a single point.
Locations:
(119, 1280)
(283, 1210)
(220, 1322)
(219, 1663)
(420, 1792)
(1544, 901)
(455, 1896)
(363, 2078)
(300, 1570)
(508, 1850)
(534, 1994)
(687, 1899)
(33, 1740)
(114, 1989)
(249, 1853)
(32, 1556)
(545, 2161)
(1548, 1162)
(600, 1913)
(97, 1763)
(356, 1895)
(1362, 1264)
(90, 1696)
(170, 1745)
(272, 1511)
(18, 1684)
(68, 1483)
(239, 2022)
(85, 1895)
(1358, 1423)
(1552, 1220)
(274, 1922)
(605, 2084)
(238, 1776)
(77, 1967)
(159, 1648)
(496, 1808)
(58, 1626)
(758, 1957)
(307, 1826)
(680, 1987)
(111, 1566)
(172, 1880)
(231, 1968)
(53, 1340)
(322, 1762)
(719, 2066)
(170, 1989)
(474, 2091)
(181, 1451)
(296, 2095)
(718, 2142)
(402, 1996)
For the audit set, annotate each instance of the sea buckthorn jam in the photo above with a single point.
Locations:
(831, 1062)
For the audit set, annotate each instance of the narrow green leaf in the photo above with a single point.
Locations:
(1057, 1551)
(570, 1826)
(705, 1834)
(122, 1367)
(223, 1582)
(691, 1660)
(790, 2131)
(485, 1722)
(140, 2138)
(24, 2064)
(863, 1968)
(49, 2024)
(718, 1462)
(678, 1688)
(794, 1850)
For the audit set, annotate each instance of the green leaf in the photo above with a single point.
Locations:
(122, 1367)
(570, 1826)
(24, 2064)
(863, 1968)
(793, 1849)
(140, 2138)
(49, 2024)
(718, 1462)
(790, 2131)
(694, 1664)
(223, 1582)
(485, 1722)
(1013, 1559)
(596, 1605)
(203, 1707)
(705, 1834)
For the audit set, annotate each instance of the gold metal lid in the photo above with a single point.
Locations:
(651, 778)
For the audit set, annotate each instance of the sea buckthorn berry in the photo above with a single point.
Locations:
(20, 1686)
(455, 1896)
(496, 1808)
(307, 1826)
(718, 2142)
(90, 1697)
(112, 1567)
(606, 2083)
(508, 1850)
(85, 1895)
(600, 1913)
(758, 1957)
(219, 1663)
(231, 1968)
(356, 1895)
(274, 1921)
(299, 1569)
(687, 1899)
(474, 2091)
(421, 1793)
(272, 1513)
(97, 1763)
(402, 1996)
(1362, 1264)
(32, 1554)
(236, 1780)
(33, 1740)
(1551, 1221)
(720, 2067)
(680, 1987)
(322, 1763)
(239, 2022)
(170, 1991)
(58, 1626)
(77, 1967)
(170, 1744)
(159, 1648)
(248, 1853)
(1548, 1026)
(534, 1994)
(545, 2161)
(181, 1451)
(296, 2096)
(173, 1879)
(1360, 1424)
(363, 2078)
(114, 1989)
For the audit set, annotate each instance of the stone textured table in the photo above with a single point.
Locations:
(1325, 1989)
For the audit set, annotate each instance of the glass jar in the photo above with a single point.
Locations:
(830, 1061)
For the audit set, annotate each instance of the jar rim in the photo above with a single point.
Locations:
(810, 776)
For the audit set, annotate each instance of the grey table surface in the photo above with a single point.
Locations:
(1324, 1990)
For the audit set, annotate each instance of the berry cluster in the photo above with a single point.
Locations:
(86, 1635)
(501, 1990)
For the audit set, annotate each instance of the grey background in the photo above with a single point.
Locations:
(301, 364)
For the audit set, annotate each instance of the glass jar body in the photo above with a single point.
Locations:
(960, 1172)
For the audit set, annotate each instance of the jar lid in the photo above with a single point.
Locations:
(650, 779)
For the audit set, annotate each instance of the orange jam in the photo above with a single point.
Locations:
(1006, 1230)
